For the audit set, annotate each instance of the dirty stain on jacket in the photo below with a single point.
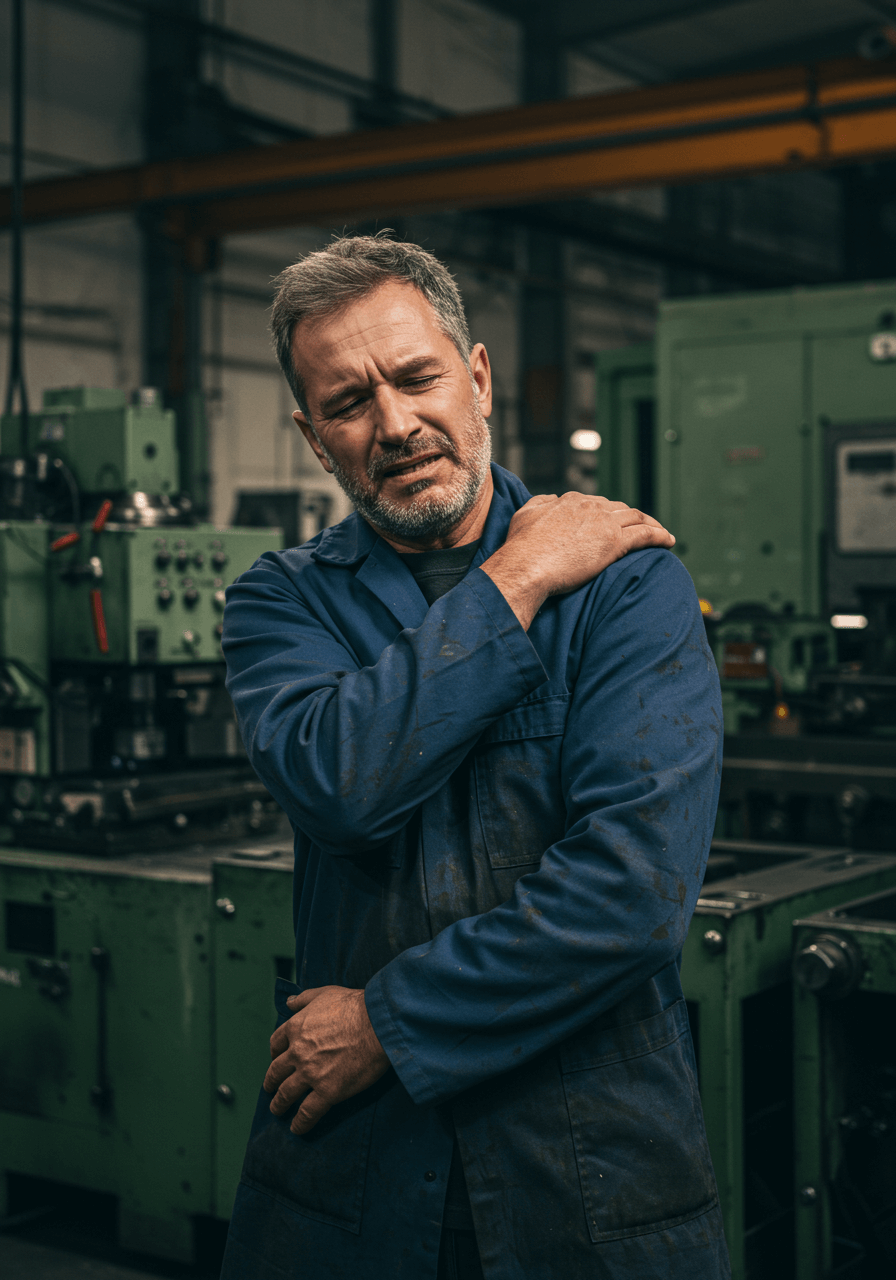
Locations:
(501, 837)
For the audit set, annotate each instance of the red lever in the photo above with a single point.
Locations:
(67, 540)
(99, 620)
(99, 521)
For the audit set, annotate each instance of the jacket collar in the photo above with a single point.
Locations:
(383, 571)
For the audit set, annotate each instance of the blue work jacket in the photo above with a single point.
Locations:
(500, 836)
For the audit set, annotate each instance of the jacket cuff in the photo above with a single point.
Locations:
(395, 1047)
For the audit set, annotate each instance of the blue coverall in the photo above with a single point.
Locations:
(500, 836)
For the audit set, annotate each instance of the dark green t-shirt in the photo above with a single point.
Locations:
(437, 572)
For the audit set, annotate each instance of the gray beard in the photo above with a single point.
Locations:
(428, 517)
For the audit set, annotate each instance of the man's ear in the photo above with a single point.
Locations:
(308, 432)
(481, 369)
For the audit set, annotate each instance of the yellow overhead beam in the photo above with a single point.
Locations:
(831, 113)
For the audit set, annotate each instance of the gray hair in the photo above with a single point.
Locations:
(348, 269)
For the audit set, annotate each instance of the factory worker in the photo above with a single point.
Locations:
(495, 725)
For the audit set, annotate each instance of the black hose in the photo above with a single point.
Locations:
(17, 113)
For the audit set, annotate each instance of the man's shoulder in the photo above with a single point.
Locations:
(651, 572)
(641, 588)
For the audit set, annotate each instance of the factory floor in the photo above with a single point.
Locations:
(75, 1240)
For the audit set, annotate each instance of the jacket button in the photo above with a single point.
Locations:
(430, 1175)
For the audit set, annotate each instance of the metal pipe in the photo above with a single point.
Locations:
(17, 116)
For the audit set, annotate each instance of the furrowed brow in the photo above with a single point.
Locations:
(348, 390)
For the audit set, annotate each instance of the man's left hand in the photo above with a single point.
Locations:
(328, 1051)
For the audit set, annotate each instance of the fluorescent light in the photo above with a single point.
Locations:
(849, 621)
(585, 441)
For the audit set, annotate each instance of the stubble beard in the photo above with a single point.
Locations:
(427, 517)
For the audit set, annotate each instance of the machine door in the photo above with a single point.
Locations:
(49, 999)
(254, 944)
(732, 459)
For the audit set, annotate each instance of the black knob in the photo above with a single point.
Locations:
(829, 966)
(163, 559)
(165, 596)
(199, 559)
(191, 595)
(219, 559)
(183, 559)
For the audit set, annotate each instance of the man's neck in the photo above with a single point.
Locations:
(469, 529)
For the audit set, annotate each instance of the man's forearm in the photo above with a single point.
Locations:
(350, 754)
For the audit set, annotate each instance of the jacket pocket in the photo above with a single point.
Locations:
(321, 1174)
(517, 763)
(637, 1126)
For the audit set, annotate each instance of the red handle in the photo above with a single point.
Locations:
(67, 540)
(99, 620)
(99, 520)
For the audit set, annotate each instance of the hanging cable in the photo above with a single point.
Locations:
(17, 115)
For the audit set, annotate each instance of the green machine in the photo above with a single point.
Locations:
(845, 1086)
(736, 979)
(136, 1000)
(771, 454)
(134, 1012)
(115, 728)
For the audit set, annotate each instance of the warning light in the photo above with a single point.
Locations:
(705, 608)
(849, 621)
(782, 711)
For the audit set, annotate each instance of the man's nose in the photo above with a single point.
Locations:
(394, 418)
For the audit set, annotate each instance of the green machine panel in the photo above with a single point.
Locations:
(24, 644)
(105, 1055)
(747, 387)
(732, 449)
(845, 1087)
(108, 444)
(162, 591)
(736, 978)
(254, 944)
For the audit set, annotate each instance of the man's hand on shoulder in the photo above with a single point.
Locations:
(328, 1051)
(555, 545)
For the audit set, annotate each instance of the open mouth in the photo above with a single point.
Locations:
(404, 469)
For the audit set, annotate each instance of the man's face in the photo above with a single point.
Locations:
(396, 415)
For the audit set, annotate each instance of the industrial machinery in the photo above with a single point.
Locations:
(136, 1003)
(116, 732)
(845, 1085)
(762, 431)
(735, 975)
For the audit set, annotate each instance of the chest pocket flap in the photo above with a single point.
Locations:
(521, 805)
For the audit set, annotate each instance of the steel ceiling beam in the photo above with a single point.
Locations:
(836, 112)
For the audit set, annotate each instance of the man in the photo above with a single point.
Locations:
(494, 724)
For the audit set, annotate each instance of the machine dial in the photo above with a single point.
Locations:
(219, 559)
(164, 597)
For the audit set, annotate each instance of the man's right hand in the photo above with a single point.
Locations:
(555, 545)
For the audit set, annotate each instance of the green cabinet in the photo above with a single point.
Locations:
(105, 1052)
